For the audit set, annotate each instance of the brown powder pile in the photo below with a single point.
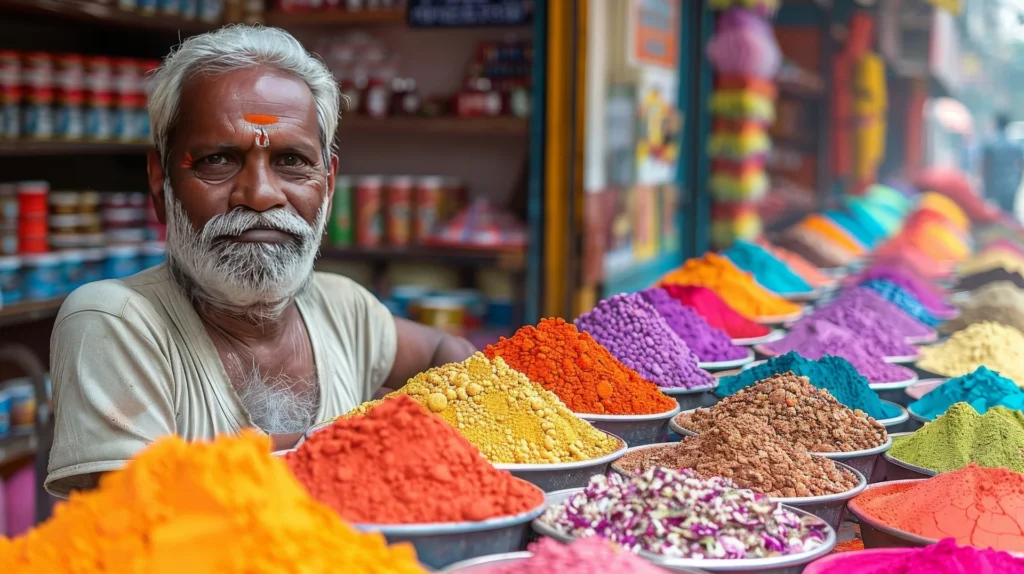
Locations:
(798, 411)
(750, 453)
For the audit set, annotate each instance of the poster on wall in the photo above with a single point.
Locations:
(660, 127)
(654, 33)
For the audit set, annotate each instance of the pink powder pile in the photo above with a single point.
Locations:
(944, 557)
(815, 338)
(583, 556)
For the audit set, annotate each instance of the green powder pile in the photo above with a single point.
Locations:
(962, 436)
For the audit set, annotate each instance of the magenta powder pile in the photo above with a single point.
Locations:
(944, 557)
(711, 345)
(584, 556)
(633, 331)
(870, 315)
(813, 339)
(929, 295)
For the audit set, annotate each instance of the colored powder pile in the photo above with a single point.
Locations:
(509, 418)
(748, 452)
(797, 411)
(834, 374)
(868, 314)
(222, 506)
(766, 269)
(944, 557)
(813, 339)
(902, 299)
(571, 364)
(802, 267)
(709, 344)
(638, 336)
(737, 288)
(716, 312)
(988, 344)
(982, 507)
(982, 389)
(1006, 245)
(400, 464)
(817, 249)
(962, 436)
(978, 280)
(678, 515)
(929, 295)
(910, 257)
(583, 556)
(863, 234)
(1002, 302)
(992, 259)
(825, 228)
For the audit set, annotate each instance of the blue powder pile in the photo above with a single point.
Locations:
(771, 273)
(903, 299)
(983, 389)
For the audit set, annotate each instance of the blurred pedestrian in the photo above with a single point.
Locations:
(1003, 167)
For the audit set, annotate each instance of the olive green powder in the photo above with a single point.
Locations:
(962, 436)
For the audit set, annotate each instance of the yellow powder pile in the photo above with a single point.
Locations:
(989, 344)
(508, 417)
(225, 506)
(737, 288)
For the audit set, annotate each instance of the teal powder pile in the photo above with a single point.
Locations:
(771, 273)
(833, 374)
(983, 389)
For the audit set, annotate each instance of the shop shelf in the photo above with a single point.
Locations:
(22, 148)
(21, 313)
(95, 12)
(442, 125)
(16, 447)
(333, 17)
(512, 260)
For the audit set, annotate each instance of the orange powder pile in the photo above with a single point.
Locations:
(585, 375)
(802, 267)
(982, 507)
(827, 228)
(737, 288)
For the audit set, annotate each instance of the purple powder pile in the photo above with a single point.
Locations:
(711, 345)
(817, 338)
(929, 295)
(633, 331)
(867, 313)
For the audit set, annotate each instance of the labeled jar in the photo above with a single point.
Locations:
(22, 397)
(73, 269)
(10, 69)
(91, 223)
(127, 76)
(122, 217)
(71, 115)
(8, 204)
(89, 201)
(10, 112)
(99, 116)
(399, 208)
(129, 236)
(43, 275)
(169, 7)
(39, 120)
(10, 279)
(70, 76)
(92, 264)
(369, 211)
(339, 228)
(122, 261)
(128, 122)
(37, 70)
(32, 198)
(64, 202)
(99, 75)
(429, 200)
(9, 240)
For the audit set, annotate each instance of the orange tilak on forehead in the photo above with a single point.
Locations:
(261, 119)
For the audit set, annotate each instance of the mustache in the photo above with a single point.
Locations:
(241, 219)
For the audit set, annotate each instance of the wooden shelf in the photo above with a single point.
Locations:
(494, 126)
(512, 260)
(94, 12)
(22, 148)
(21, 313)
(333, 17)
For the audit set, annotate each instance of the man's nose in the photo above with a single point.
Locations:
(257, 186)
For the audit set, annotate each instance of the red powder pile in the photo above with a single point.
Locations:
(716, 312)
(400, 464)
(981, 507)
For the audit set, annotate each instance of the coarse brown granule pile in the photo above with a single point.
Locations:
(798, 411)
(750, 453)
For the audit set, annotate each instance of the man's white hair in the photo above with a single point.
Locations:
(239, 47)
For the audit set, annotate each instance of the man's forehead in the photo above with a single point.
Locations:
(252, 90)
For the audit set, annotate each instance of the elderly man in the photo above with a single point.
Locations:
(236, 330)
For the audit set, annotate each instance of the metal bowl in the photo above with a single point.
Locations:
(724, 365)
(771, 337)
(779, 319)
(559, 476)
(636, 430)
(793, 564)
(898, 470)
(486, 563)
(894, 392)
(895, 424)
(829, 507)
(802, 296)
(878, 535)
(918, 418)
(438, 545)
(693, 398)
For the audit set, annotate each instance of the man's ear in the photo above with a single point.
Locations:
(156, 173)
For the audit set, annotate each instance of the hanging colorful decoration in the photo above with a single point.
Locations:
(745, 57)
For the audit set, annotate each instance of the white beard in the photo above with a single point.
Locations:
(255, 281)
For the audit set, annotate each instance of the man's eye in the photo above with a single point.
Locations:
(215, 159)
(292, 160)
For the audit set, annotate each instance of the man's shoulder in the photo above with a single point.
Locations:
(338, 288)
(111, 296)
